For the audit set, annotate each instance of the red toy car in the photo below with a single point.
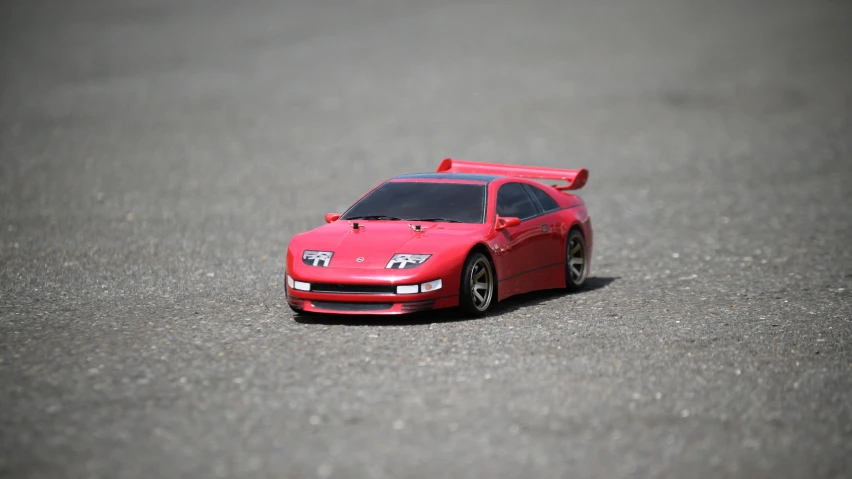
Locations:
(469, 235)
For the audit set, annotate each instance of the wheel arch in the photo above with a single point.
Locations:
(483, 248)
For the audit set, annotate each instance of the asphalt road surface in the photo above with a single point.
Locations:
(157, 156)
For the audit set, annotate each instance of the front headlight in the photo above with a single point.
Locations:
(300, 285)
(403, 261)
(317, 258)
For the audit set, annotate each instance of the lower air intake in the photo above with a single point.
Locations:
(338, 306)
(417, 306)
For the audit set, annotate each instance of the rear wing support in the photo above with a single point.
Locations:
(576, 178)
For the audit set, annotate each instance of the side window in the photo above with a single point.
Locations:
(545, 200)
(513, 200)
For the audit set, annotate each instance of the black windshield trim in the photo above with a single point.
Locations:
(449, 176)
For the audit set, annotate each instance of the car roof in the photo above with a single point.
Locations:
(449, 176)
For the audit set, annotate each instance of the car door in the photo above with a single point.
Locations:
(520, 242)
(552, 248)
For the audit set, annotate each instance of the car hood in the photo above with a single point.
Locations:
(374, 243)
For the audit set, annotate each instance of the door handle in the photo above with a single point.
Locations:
(544, 228)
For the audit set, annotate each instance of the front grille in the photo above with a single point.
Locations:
(336, 306)
(352, 288)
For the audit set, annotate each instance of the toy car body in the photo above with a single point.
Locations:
(468, 235)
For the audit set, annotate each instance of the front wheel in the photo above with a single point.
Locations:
(478, 284)
(576, 262)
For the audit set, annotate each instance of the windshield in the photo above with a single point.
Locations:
(423, 201)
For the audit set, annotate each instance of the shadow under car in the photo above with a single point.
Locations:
(452, 314)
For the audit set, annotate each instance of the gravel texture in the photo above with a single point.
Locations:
(157, 156)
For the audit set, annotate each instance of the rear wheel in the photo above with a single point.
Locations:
(576, 262)
(478, 284)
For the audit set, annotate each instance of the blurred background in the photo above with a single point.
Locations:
(157, 156)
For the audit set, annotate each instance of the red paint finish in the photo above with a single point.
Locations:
(527, 256)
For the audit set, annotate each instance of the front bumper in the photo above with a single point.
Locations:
(368, 295)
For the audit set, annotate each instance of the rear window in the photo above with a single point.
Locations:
(546, 201)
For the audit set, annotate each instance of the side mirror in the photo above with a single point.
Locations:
(503, 223)
(332, 217)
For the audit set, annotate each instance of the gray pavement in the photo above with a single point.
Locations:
(157, 156)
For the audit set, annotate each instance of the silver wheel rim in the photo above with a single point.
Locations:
(577, 260)
(481, 284)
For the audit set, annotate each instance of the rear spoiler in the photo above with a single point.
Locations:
(575, 178)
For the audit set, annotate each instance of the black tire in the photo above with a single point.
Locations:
(301, 313)
(478, 289)
(576, 260)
